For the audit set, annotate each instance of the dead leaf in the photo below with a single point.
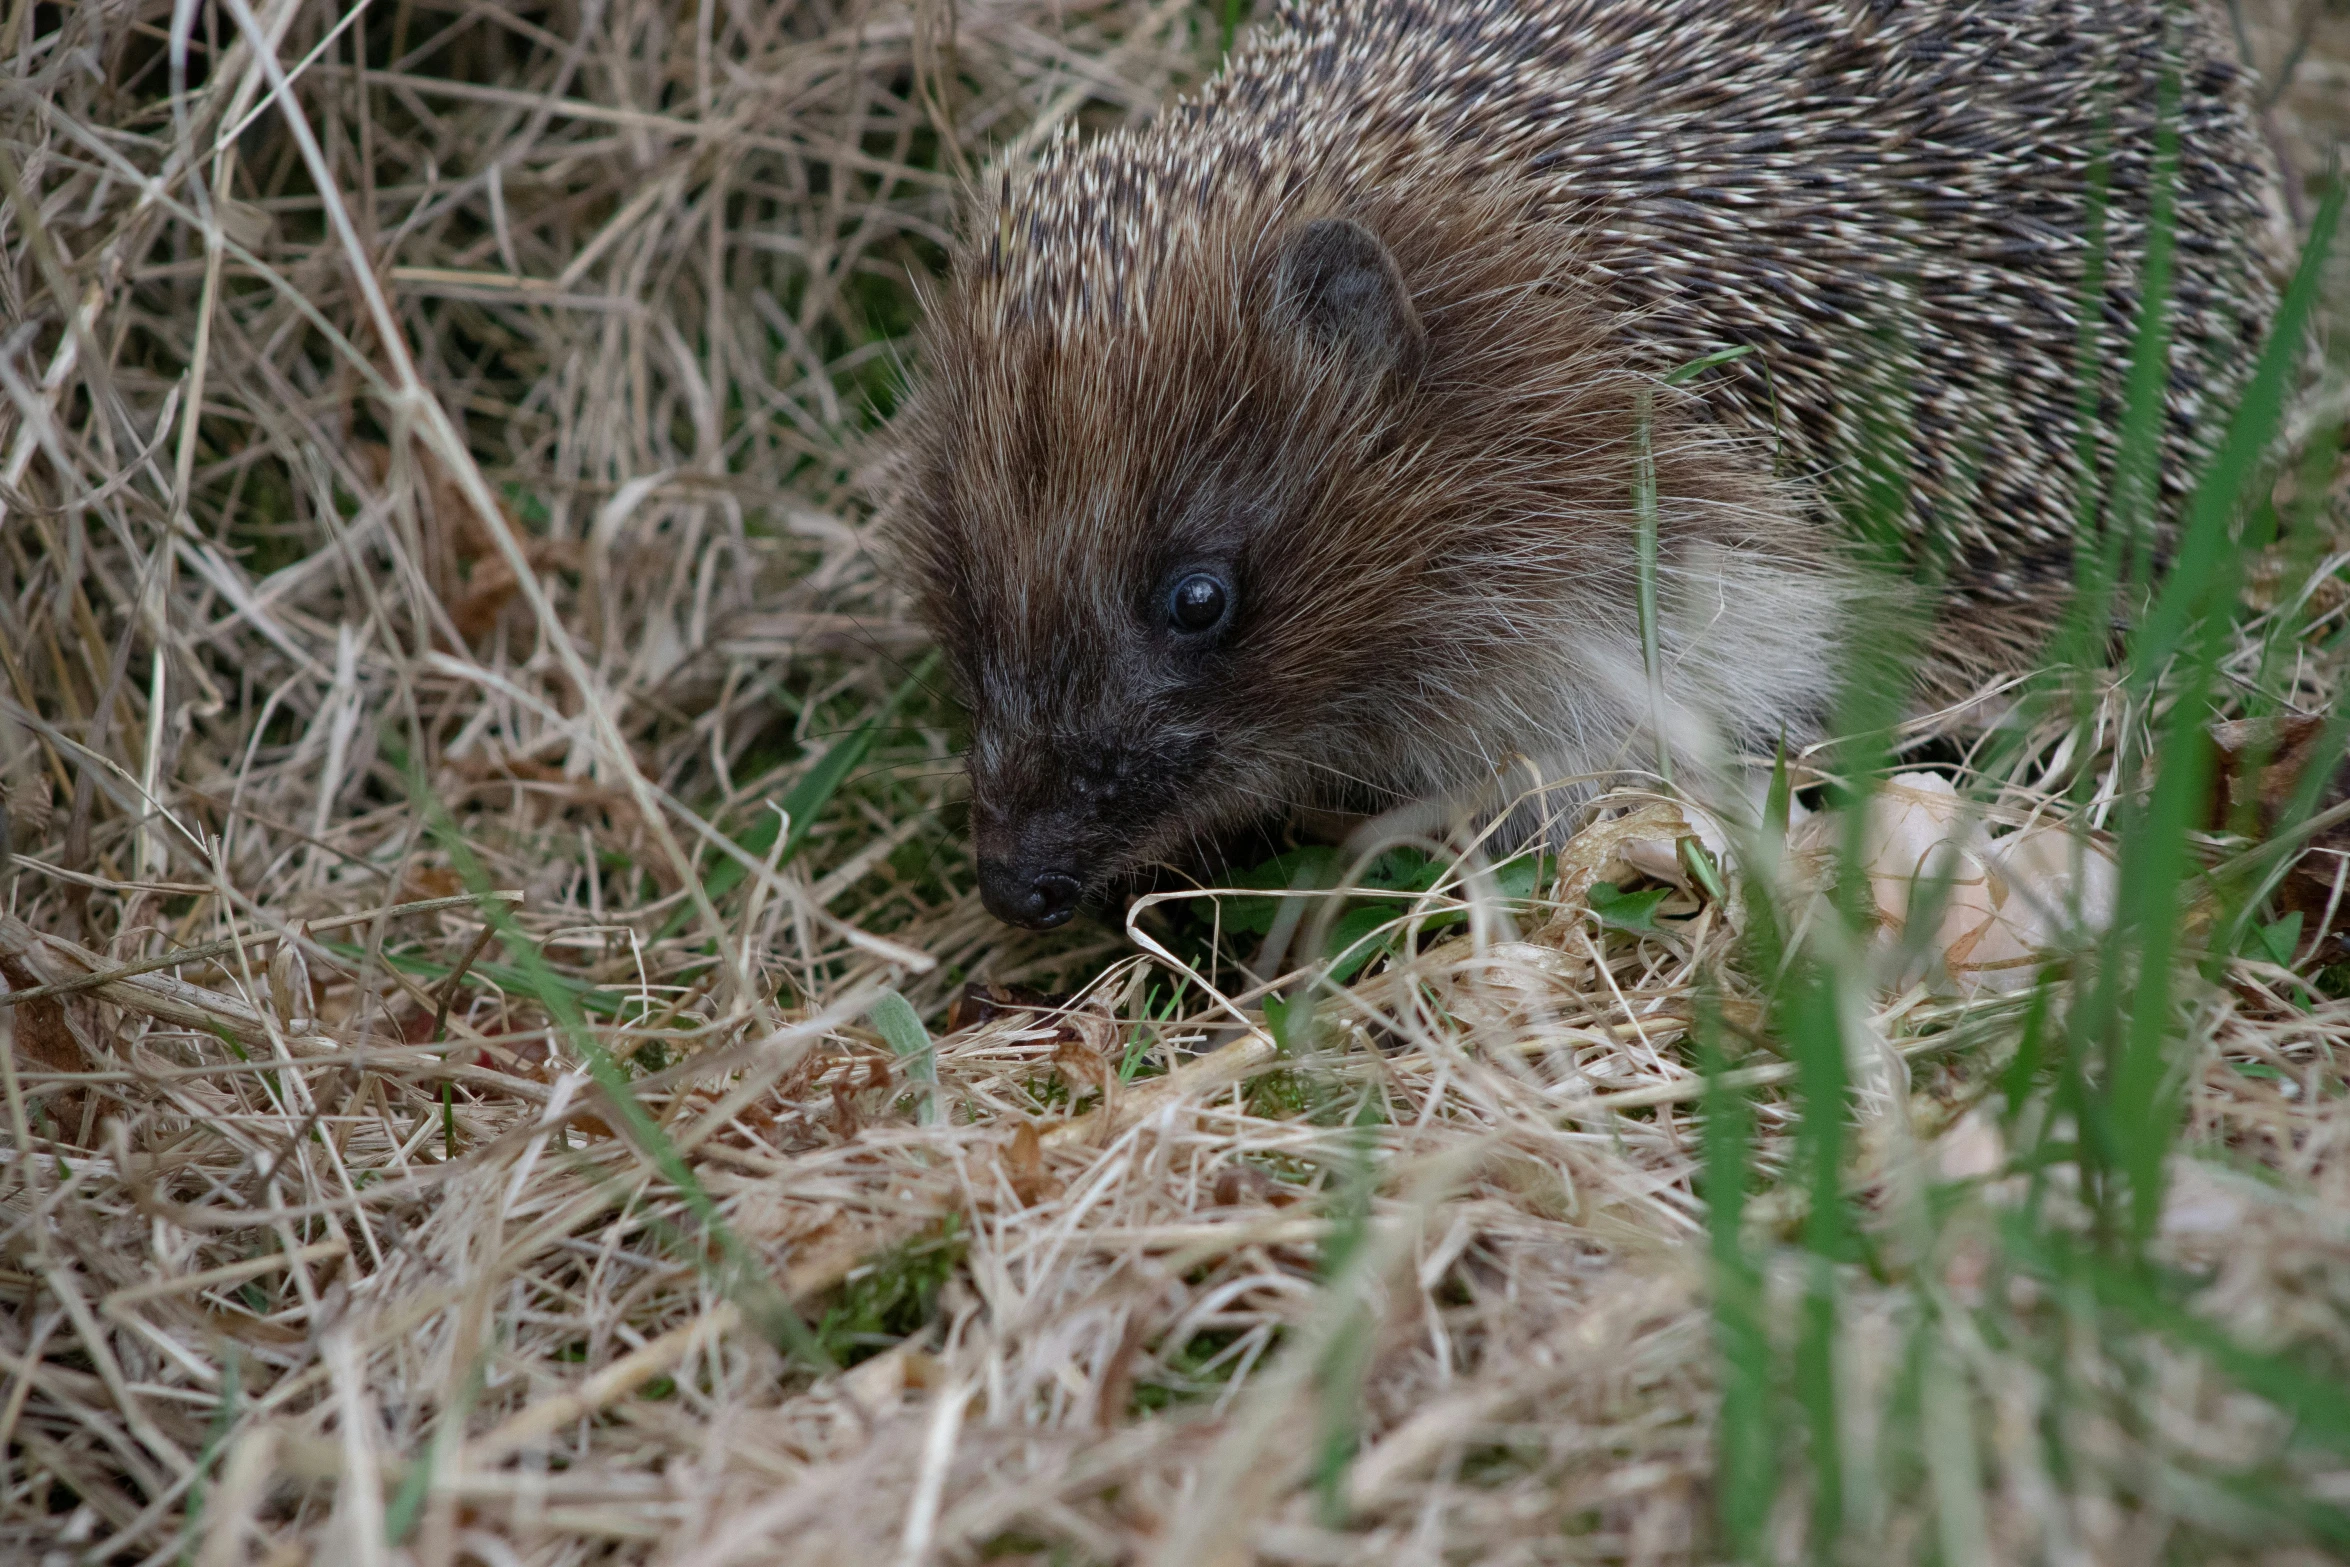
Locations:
(42, 1031)
(1642, 842)
(1079, 1066)
(881, 1383)
(424, 882)
(2005, 902)
(1237, 1184)
(2262, 766)
(1024, 1167)
(1117, 1377)
(524, 1058)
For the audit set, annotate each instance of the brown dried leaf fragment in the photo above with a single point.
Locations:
(2263, 764)
(43, 1033)
(1024, 1168)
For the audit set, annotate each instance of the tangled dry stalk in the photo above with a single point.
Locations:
(433, 538)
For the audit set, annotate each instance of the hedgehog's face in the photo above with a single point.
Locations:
(1135, 554)
(1104, 741)
(1128, 699)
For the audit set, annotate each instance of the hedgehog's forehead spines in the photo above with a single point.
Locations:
(1088, 233)
(1333, 98)
(1089, 236)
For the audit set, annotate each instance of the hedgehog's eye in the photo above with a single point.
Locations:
(1197, 603)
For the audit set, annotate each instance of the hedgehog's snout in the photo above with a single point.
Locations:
(1031, 834)
(1032, 869)
(1060, 810)
(1020, 895)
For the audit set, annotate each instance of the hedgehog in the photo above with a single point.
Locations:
(1291, 452)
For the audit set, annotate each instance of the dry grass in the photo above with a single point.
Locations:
(452, 485)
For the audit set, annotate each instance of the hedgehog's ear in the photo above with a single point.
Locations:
(1339, 288)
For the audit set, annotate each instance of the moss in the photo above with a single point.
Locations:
(893, 1299)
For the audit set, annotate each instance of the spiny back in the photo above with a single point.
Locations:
(1893, 205)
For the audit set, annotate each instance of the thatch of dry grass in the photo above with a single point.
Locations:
(434, 547)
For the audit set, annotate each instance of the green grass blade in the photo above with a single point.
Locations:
(806, 799)
(1746, 1439)
(895, 1019)
(2156, 858)
(741, 1278)
(1346, 1361)
(2156, 850)
(588, 998)
(2317, 1401)
(1704, 362)
(1816, 1040)
(2195, 582)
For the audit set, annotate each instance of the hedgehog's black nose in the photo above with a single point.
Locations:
(1019, 895)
